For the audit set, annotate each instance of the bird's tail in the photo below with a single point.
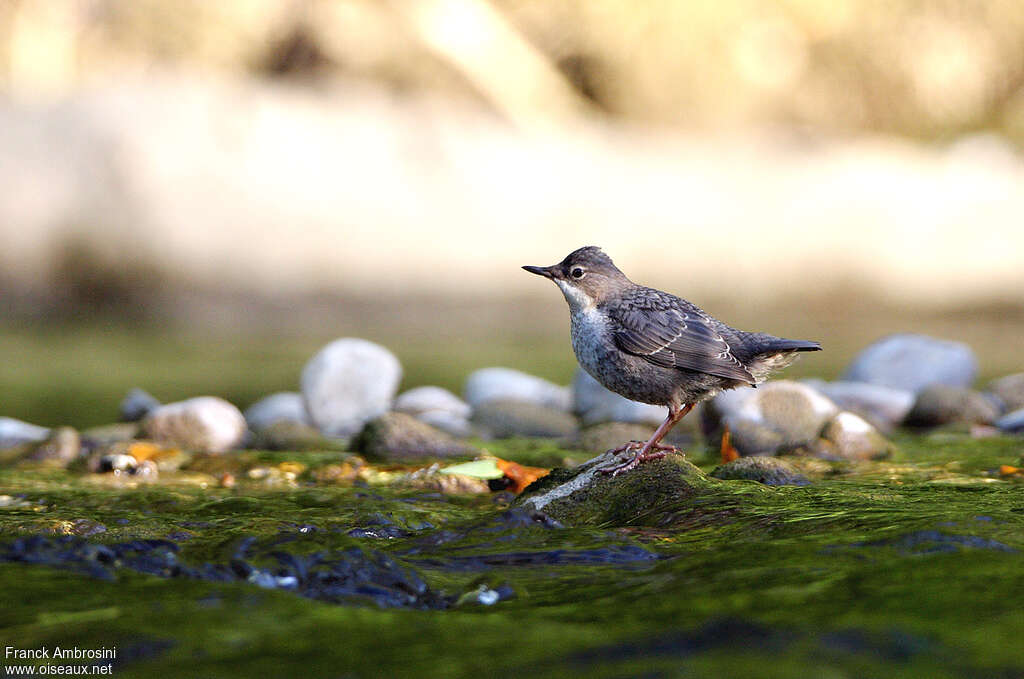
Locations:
(778, 344)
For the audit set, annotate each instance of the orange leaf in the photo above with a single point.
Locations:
(728, 452)
(520, 476)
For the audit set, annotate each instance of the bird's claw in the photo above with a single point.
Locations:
(643, 454)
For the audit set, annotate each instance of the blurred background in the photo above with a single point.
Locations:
(195, 196)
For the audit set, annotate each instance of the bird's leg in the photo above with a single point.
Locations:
(653, 449)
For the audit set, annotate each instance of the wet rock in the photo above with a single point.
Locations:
(646, 495)
(62, 447)
(131, 455)
(437, 407)
(432, 478)
(348, 383)
(776, 417)
(285, 406)
(884, 407)
(509, 418)
(853, 438)
(397, 437)
(1012, 422)
(595, 404)
(771, 471)
(1009, 390)
(938, 404)
(913, 362)
(490, 384)
(292, 435)
(203, 424)
(15, 432)
(137, 404)
(114, 462)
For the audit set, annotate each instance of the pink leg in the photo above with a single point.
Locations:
(653, 449)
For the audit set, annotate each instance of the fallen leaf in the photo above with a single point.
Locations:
(728, 452)
(520, 476)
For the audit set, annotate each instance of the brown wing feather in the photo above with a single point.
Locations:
(664, 331)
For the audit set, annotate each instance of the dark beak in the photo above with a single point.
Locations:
(546, 271)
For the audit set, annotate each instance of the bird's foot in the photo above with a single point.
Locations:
(643, 454)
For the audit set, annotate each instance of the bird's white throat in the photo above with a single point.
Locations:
(577, 299)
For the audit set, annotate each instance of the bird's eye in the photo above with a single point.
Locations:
(576, 273)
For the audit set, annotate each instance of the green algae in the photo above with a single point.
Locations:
(909, 567)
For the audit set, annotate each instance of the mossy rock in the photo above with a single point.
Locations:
(771, 471)
(646, 495)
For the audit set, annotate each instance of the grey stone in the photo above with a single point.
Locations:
(425, 399)
(776, 417)
(288, 434)
(106, 434)
(490, 384)
(595, 404)
(1012, 422)
(1009, 390)
(884, 407)
(284, 405)
(853, 438)
(203, 424)
(598, 438)
(938, 404)
(136, 404)
(348, 383)
(771, 471)
(63, 446)
(913, 362)
(507, 418)
(437, 407)
(15, 432)
(398, 437)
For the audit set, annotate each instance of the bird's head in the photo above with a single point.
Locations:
(586, 277)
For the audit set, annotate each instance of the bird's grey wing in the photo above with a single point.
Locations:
(661, 330)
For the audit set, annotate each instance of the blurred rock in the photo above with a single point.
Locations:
(106, 434)
(599, 438)
(348, 383)
(595, 404)
(203, 424)
(1010, 390)
(63, 446)
(913, 362)
(938, 404)
(771, 471)
(1012, 422)
(398, 437)
(490, 384)
(884, 407)
(286, 434)
(15, 432)
(853, 438)
(284, 405)
(437, 407)
(137, 404)
(775, 417)
(506, 418)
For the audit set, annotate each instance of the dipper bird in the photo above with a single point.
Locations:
(654, 347)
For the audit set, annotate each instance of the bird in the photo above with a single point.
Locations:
(653, 347)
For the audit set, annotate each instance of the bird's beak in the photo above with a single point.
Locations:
(546, 271)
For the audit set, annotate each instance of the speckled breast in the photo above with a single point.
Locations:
(630, 376)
